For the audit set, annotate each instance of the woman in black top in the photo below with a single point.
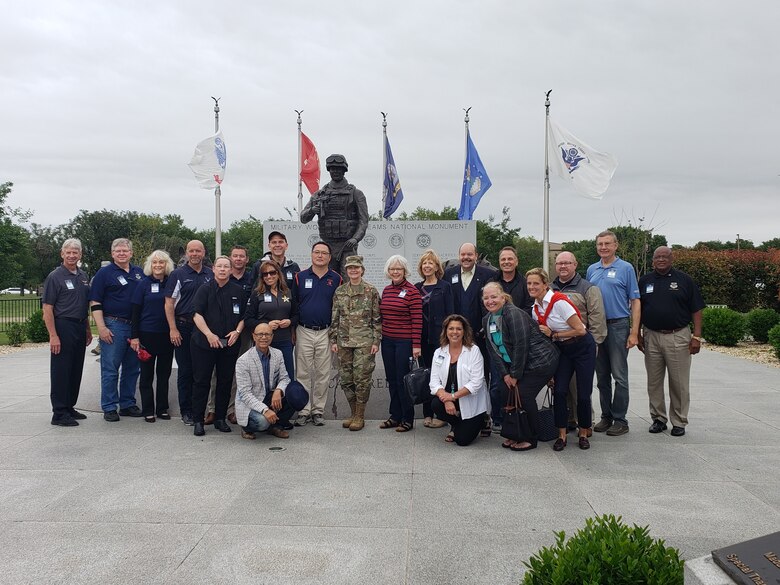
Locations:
(271, 302)
(437, 303)
(150, 331)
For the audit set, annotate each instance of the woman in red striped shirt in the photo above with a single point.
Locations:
(401, 311)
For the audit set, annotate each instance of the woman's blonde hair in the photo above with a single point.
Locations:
(431, 255)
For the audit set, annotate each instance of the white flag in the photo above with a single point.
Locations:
(586, 169)
(208, 162)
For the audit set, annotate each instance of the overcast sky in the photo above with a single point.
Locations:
(102, 104)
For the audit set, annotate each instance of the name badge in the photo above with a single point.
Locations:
(402, 294)
(439, 359)
(649, 288)
(236, 308)
(454, 279)
(122, 280)
(611, 273)
(267, 298)
(289, 275)
(308, 283)
(69, 284)
(492, 328)
(155, 287)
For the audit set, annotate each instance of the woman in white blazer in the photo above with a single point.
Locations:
(458, 381)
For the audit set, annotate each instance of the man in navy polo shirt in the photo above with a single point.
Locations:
(616, 280)
(179, 294)
(314, 289)
(670, 302)
(110, 299)
(277, 248)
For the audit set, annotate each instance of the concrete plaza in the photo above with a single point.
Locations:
(150, 503)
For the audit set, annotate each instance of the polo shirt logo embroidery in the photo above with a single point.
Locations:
(672, 286)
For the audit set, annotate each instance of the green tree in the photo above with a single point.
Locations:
(774, 243)
(529, 253)
(246, 232)
(15, 256)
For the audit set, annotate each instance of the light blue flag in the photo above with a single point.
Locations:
(475, 181)
(392, 186)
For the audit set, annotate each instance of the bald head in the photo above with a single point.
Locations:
(662, 259)
(196, 251)
(467, 256)
(566, 266)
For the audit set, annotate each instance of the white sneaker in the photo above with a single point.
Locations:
(317, 420)
(301, 420)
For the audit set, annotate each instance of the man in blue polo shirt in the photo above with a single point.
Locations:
(616, 280)
(110, 300)
(314, 289)
(179, 294)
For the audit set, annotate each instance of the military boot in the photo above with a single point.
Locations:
(357, 421)
(348, 421)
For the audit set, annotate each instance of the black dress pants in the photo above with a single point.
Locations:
(68, 365)
(159, 345)
(464, 430)
(204, 363)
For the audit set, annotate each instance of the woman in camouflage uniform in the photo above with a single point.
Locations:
(355, 333)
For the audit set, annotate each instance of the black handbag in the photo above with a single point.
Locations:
(417, 383)
(515, 425)
(547, 430)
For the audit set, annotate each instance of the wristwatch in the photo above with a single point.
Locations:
(699, 339)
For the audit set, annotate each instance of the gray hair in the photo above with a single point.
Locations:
(121, 242)
(72, 243)
(158, 255)
(397, 259)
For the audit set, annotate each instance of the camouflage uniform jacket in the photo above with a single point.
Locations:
(355, 319)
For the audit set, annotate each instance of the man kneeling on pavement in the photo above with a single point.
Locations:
(261, 381)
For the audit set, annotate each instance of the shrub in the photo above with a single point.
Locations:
(16, 334)
(723, 326)
(605, 551)
(36, 328)
(773, 336)
(760, 321)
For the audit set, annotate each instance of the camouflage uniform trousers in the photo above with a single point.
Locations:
(356, 364)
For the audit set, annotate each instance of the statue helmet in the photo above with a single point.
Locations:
(337, 161)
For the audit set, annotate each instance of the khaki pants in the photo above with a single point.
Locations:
(313, 360)
(668, 352)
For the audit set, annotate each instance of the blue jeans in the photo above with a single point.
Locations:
(184, 378)
(114, 356)
(395, 355)
(612, 362)
(286, 347)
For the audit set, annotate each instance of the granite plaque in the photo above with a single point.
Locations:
(383, 239)
(753, 562)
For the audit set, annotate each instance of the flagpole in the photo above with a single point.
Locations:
(384, 162)
(546, 237)
(300, 191)
(217, 192)
(466, 120)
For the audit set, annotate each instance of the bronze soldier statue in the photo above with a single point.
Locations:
(342, 213)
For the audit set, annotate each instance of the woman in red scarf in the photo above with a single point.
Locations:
(559, 319)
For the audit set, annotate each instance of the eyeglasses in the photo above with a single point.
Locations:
(271, 273)
(320, 253)
(263, 334)
(563, 263)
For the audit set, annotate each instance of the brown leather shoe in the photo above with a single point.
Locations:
(247, 435)
(209, 420)
(279, 433)
(232, 418)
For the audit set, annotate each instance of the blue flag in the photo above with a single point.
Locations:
(393, 194)
(475, 181)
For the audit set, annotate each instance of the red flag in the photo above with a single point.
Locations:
(310, 165)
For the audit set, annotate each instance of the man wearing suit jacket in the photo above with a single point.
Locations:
(467, 281)
(261, 379)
